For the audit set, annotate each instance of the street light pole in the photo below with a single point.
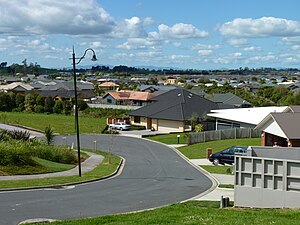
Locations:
(76, 101)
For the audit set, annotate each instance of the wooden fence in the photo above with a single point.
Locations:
(222, 134)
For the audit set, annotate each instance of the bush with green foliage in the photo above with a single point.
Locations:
(19, 153)
(49, 134)
(14, 134)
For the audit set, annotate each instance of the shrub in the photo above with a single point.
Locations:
(15, 153)
(49, 134)
(19, 135)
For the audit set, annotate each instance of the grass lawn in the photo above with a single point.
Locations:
(169, 138)
(198, 151)
(231, 186)
(218, 169)
(102, 170)
(196, 212)
(61, 124)
(43, 166)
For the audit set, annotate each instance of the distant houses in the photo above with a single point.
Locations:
(127, 97)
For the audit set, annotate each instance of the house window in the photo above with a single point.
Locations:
(137, 119)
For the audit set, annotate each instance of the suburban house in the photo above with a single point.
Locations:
(109, 86)
(66, 90)
(156, 89)
(281, 129)
(172, 111)
(242, 117)
(127, 97)
(230, 99)
(17, 87)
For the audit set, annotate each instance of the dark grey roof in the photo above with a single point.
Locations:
(295, 108)
(156, 87)
(289, 123)
(177, 104)
(230, 99)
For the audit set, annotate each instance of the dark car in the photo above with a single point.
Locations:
(226, 155)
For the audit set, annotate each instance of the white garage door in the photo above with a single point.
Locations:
(168, 126)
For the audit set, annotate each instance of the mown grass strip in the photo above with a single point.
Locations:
(230, 186)
(198, 151)
(169, 138)
(102, 170)
(60, 123)
(196, 212)
(218, 169)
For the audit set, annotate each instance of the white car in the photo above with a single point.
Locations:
(119, 126)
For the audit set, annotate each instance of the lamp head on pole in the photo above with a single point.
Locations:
(94, 58)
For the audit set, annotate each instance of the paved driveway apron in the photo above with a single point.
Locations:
(154, 175)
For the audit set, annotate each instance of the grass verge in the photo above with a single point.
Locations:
(60, 123)
(218, 169)
(198, 151)
(42, 166)
(230, 186)
(196, 212)
(169, 139)
(102, 170)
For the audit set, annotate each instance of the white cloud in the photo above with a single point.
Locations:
(291, 40)
(237, 42)
(262, 58)
(177, 44)
(262, 27)
(251, 49)
(148, 21)
(54, 17)
(205, 47)
(180, 31)
(132, 28)
(139, 43)
(205, 52)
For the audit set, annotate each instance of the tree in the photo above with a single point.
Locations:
(49, 103)
(194, 120)
(5, 102)
(67, 107)
(40, 100)
(30, 102)
(19, 100)
(58, 107)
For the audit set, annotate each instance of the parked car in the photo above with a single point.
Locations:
(226, 155)
(119, 126)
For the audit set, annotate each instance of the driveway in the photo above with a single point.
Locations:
(154, 175)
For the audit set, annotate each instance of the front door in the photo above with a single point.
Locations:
(149, 123)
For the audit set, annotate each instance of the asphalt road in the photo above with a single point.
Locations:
(154, 175)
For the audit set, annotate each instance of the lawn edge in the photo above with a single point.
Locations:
(116, 173)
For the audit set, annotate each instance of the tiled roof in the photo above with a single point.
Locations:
(131, 95)
(108, 84)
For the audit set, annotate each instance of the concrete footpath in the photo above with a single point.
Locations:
(216, 194)
(86, 166)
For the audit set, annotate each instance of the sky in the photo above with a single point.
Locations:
(185, 34)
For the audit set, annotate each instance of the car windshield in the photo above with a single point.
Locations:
(228, 151)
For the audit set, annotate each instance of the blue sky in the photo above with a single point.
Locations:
(190, 34)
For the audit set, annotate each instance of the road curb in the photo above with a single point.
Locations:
(61, 186)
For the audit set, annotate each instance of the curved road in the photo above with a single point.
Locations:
(154, 175)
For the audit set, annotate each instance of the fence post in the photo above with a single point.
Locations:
(220, 134)
(234, 133)
(250, 132)
(204, 136)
